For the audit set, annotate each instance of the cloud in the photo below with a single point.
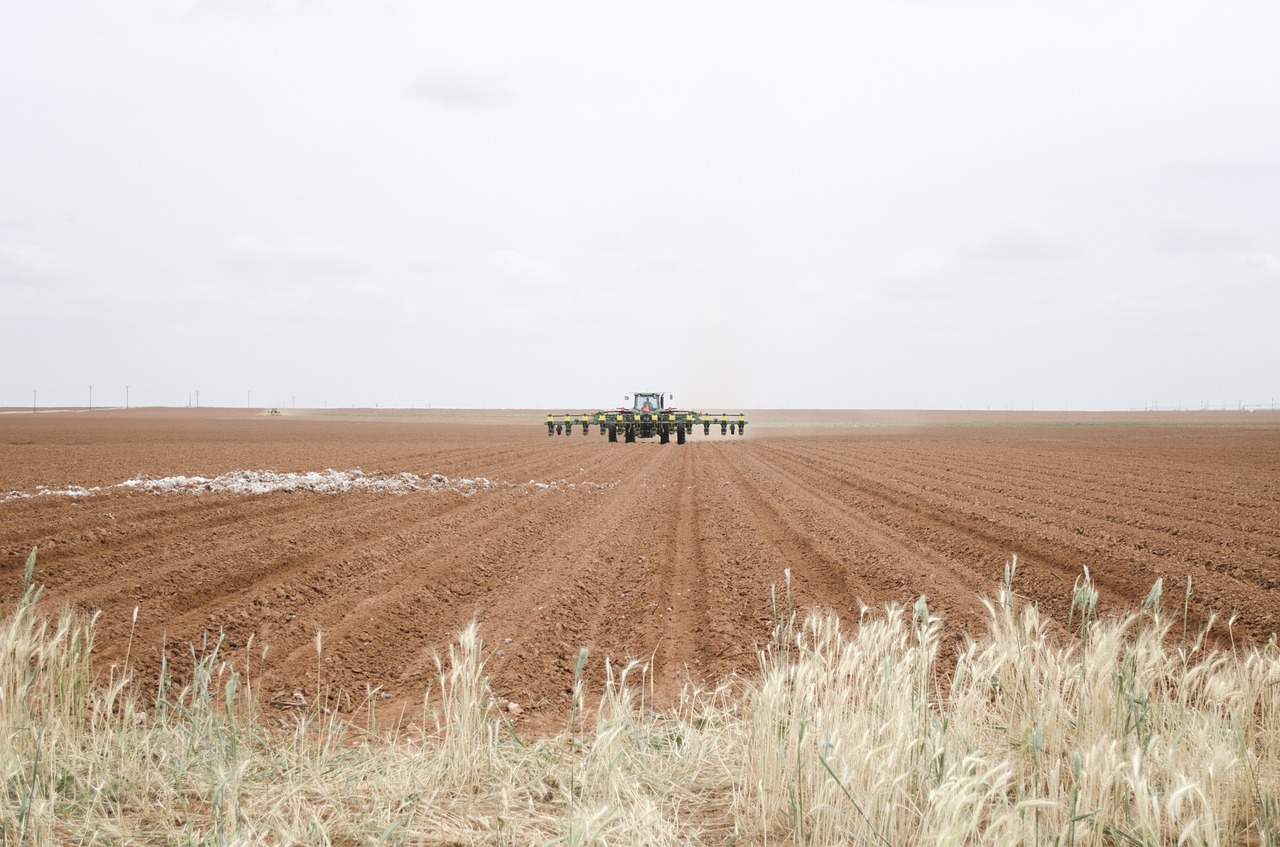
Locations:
(1268, 262)
(1015, 245)
(245, 254)
(430, 266)
(315, 255)
(1027, 246)
(1217, 171)
(27, 263)
(517, 265)
(460, 90)
(611, 242)
(1188, 235)
(202, 294)
(919, 263)
(250, 10)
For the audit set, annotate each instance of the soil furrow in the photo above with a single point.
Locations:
(672, 555)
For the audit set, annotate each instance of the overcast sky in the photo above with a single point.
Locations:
(548, 205)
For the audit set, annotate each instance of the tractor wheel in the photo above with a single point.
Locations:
(680, 435)
(559, 429)
(613, 433)
(630, 436)
(664, 435)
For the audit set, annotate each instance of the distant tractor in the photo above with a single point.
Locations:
(648, 415)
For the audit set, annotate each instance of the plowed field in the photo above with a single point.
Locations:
(663, 553)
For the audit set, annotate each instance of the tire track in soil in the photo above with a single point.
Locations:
(663, 545)
(567, 590)
(683, 574)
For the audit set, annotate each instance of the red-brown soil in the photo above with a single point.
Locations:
(671, 560)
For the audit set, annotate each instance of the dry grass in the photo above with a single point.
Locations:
(1099, 732)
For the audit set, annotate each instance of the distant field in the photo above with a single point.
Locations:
(661, 552)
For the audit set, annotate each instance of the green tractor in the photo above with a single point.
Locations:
(648, 416)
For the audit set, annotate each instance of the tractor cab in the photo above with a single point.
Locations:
(648, 402)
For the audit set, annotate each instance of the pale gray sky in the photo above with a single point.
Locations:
(867, 204)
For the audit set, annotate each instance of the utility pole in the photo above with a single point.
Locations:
(197, 398)
(246, 399)
(126, 396)
(33, 401)
(91, 398)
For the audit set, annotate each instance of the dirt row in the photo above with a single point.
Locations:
(670, 555)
